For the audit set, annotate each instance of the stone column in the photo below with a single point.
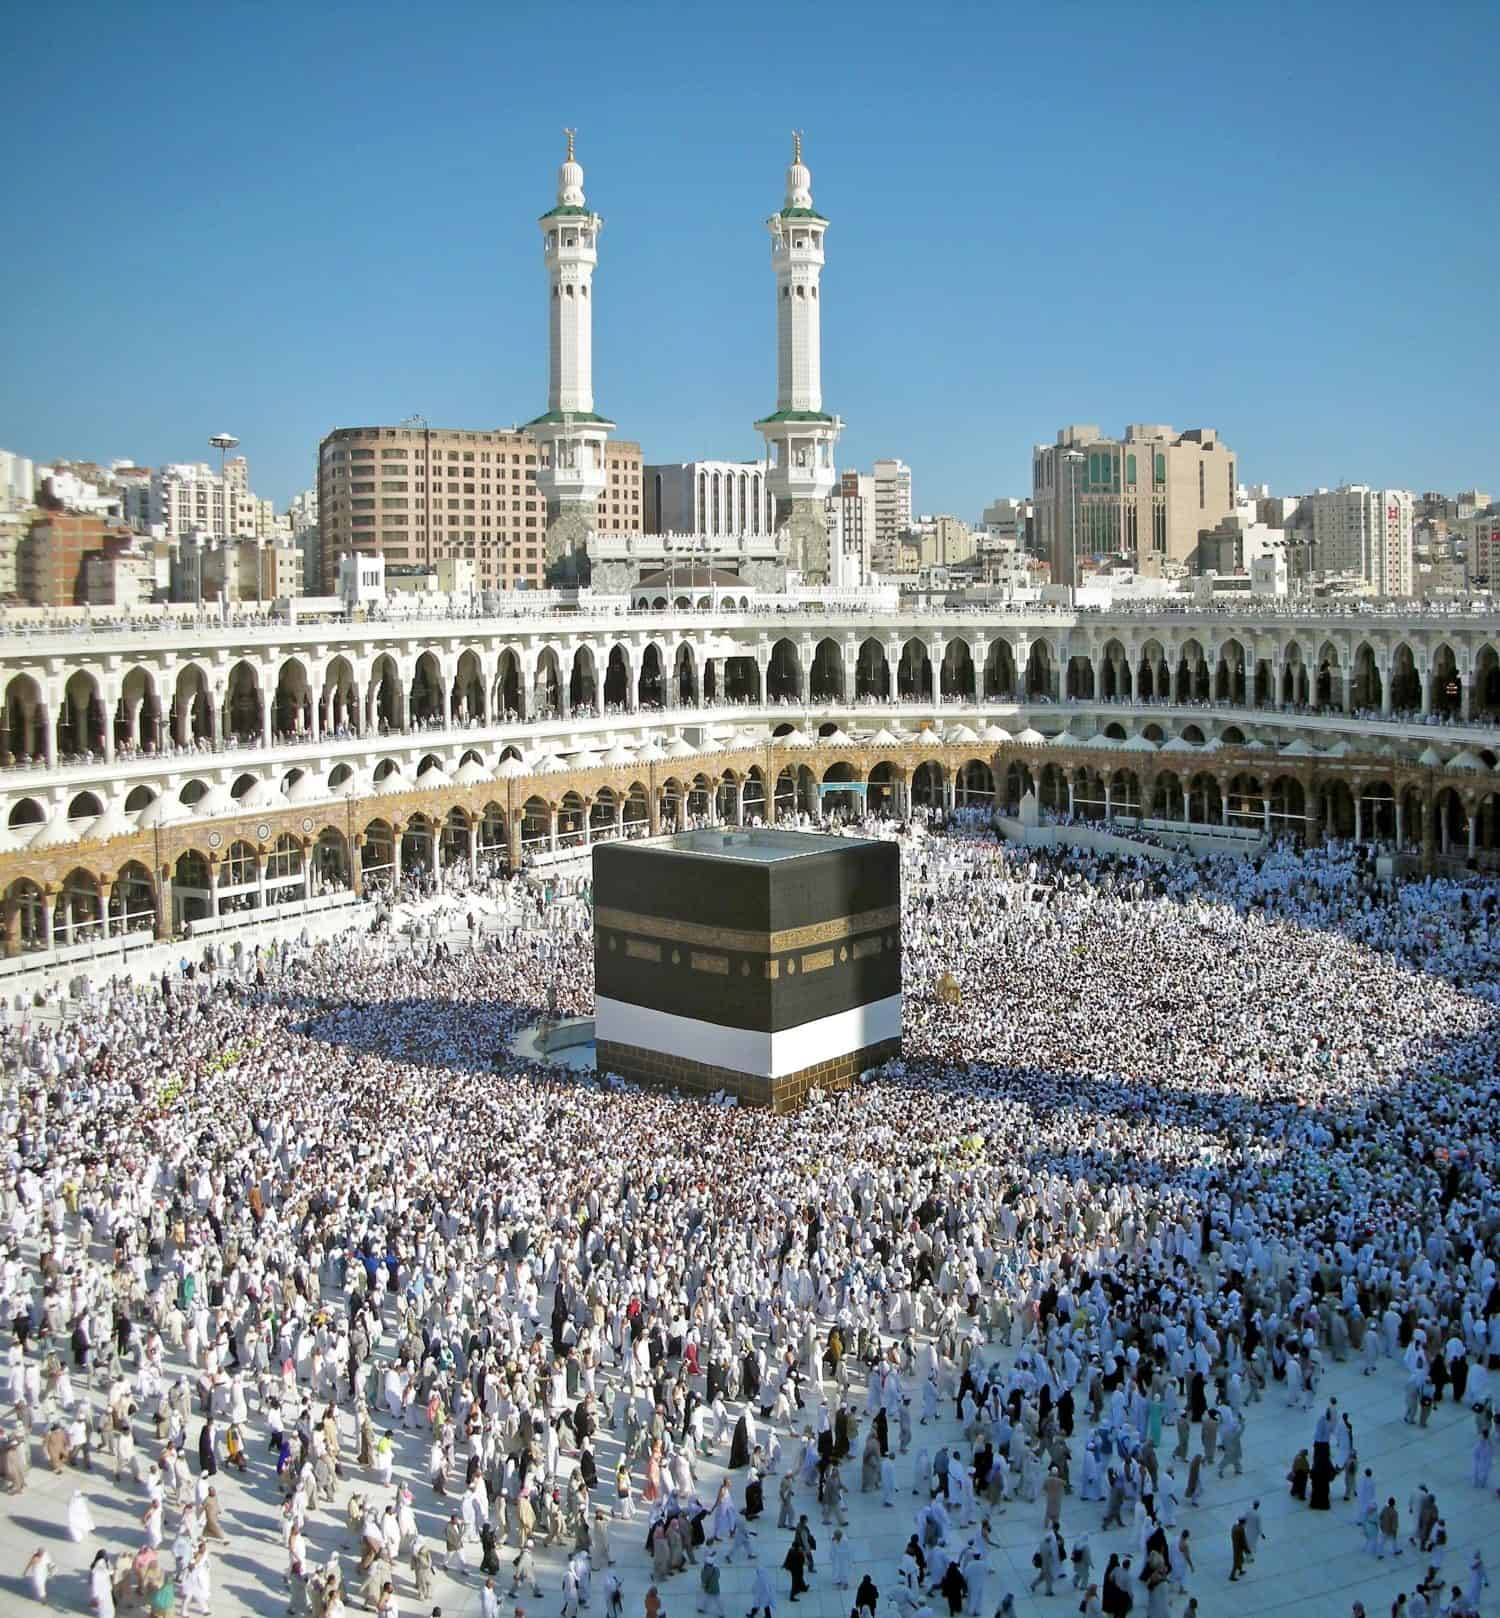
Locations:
(260, 880)
(213, 886)
(49, 898)
(166, 901)
(1473, 832)
(1400, 824)
(552, 827)
(357, 865)
(473, 848)
(1359, 817)
(106, 889)
(1427, 676)
(588, 822)
(1266, 815)
(1072, 807)
(307, 869)
(395, 853)
(1385, 691)
(1108, 803)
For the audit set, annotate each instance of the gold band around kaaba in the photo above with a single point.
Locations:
(747, 942)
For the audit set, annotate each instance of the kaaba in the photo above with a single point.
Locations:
(763, 963)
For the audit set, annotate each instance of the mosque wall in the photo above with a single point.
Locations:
(266, 764)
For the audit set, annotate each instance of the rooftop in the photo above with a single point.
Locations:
(761, 846)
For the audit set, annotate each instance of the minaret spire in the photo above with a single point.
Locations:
(800, 435)
(570, 436)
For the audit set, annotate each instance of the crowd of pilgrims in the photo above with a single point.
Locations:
(302, 1229)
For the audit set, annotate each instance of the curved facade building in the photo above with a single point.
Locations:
(144, 784)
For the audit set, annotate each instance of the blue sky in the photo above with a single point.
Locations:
(277, 219)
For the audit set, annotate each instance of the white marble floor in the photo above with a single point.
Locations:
(1310, 1563)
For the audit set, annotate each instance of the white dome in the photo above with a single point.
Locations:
(618, 755)
(307, 789)
(583, 761)
(883, 738)
(1138, 744)
(510, 767)
(678, 748)
(1030, 737)
(471, 773)
(1178, 744)
(163, 811)
(1063, 739)
(391, 785)
(114, 822)
(838, 738)
(56, 833)
(993, 733)
(797, 738)
(433, 776)
(1101, 740)
(1465, 761)
(216, 801)
(650, 753)
(1300, 747)
(962, 733)
(552, 765)
(262, 796)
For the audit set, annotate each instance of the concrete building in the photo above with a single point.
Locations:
(1012, 522)
(1145, 496)
(484, 501)
(13, 526)
(851, 527)
(1483, 561)
(61, 488)
(571, 436)
(17, 481)
(123, 575)
(302, 520)
(1365, 532)
(893, 510)
(944, 541)
(49, 558)
(800, 435)
(188, 496)
(719, 499)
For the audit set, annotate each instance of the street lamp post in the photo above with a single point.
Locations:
(1074, 458)
(223, 442)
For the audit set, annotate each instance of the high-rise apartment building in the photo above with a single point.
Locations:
(49, 558)
(1483, 560)
(851, 529)
(892, 481)
(1146, 496)
(417, 494)
(944, 541)
(1365, 532)
(189, 496)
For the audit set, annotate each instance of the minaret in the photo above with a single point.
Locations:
(570, 436)
(800, 435)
